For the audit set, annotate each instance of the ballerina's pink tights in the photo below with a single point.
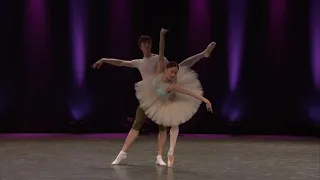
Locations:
(174, 132)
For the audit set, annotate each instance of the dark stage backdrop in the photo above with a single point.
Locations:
(263, 77)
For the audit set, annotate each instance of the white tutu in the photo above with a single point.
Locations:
(170, 112)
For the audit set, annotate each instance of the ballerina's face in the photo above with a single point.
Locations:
(171, 73)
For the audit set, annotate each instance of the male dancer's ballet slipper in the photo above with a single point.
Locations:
(121, 156)
(209, 49)
(159, 161)
(170, 161)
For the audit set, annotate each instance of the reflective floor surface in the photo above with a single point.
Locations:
(197, 158)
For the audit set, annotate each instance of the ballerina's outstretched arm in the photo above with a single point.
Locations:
(161, 62)
(178, 89)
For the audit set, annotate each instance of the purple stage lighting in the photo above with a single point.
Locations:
(312, 106)
(277, 20)
(199, 25)
(236, 28)
(79, 109)
(80, 104)
(120, 18)
(36, 24)
(78, 35)
(277, 17)
(234, 107)
(36, 44)
(315, 41)
(314, 113)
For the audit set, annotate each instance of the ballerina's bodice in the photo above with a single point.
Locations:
(161, 87)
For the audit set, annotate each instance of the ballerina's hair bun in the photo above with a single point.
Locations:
(172, 64)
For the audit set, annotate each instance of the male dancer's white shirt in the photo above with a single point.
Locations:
(148, 65)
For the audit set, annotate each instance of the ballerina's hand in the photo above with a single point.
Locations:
(172, 96)
(98, 64)
(163, 31)
(209, 106)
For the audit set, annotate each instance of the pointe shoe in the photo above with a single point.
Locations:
(209, 49)
(170, 161)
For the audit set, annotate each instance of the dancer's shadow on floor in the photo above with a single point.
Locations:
(133, 172)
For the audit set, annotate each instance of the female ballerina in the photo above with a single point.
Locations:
(171, 97)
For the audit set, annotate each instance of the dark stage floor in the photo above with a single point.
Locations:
(88, 157)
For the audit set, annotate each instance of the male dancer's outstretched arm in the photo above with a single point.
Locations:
(114, 62)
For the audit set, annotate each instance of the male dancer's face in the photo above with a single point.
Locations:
(146, 48)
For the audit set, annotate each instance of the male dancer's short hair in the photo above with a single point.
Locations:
(144, 39)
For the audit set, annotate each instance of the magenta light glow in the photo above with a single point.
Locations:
(78, 35)
(199, 28)
(236, 29)
(315, 41)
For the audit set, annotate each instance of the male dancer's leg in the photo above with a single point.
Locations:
(132, 135)
(194, 59)
(174, 132)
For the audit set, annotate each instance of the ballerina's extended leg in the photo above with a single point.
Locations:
(195, 58)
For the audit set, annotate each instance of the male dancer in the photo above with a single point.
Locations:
(147, 67)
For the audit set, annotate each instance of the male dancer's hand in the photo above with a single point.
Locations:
(98, 64)
(163, 31)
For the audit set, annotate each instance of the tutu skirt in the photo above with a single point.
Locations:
(171, 111)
